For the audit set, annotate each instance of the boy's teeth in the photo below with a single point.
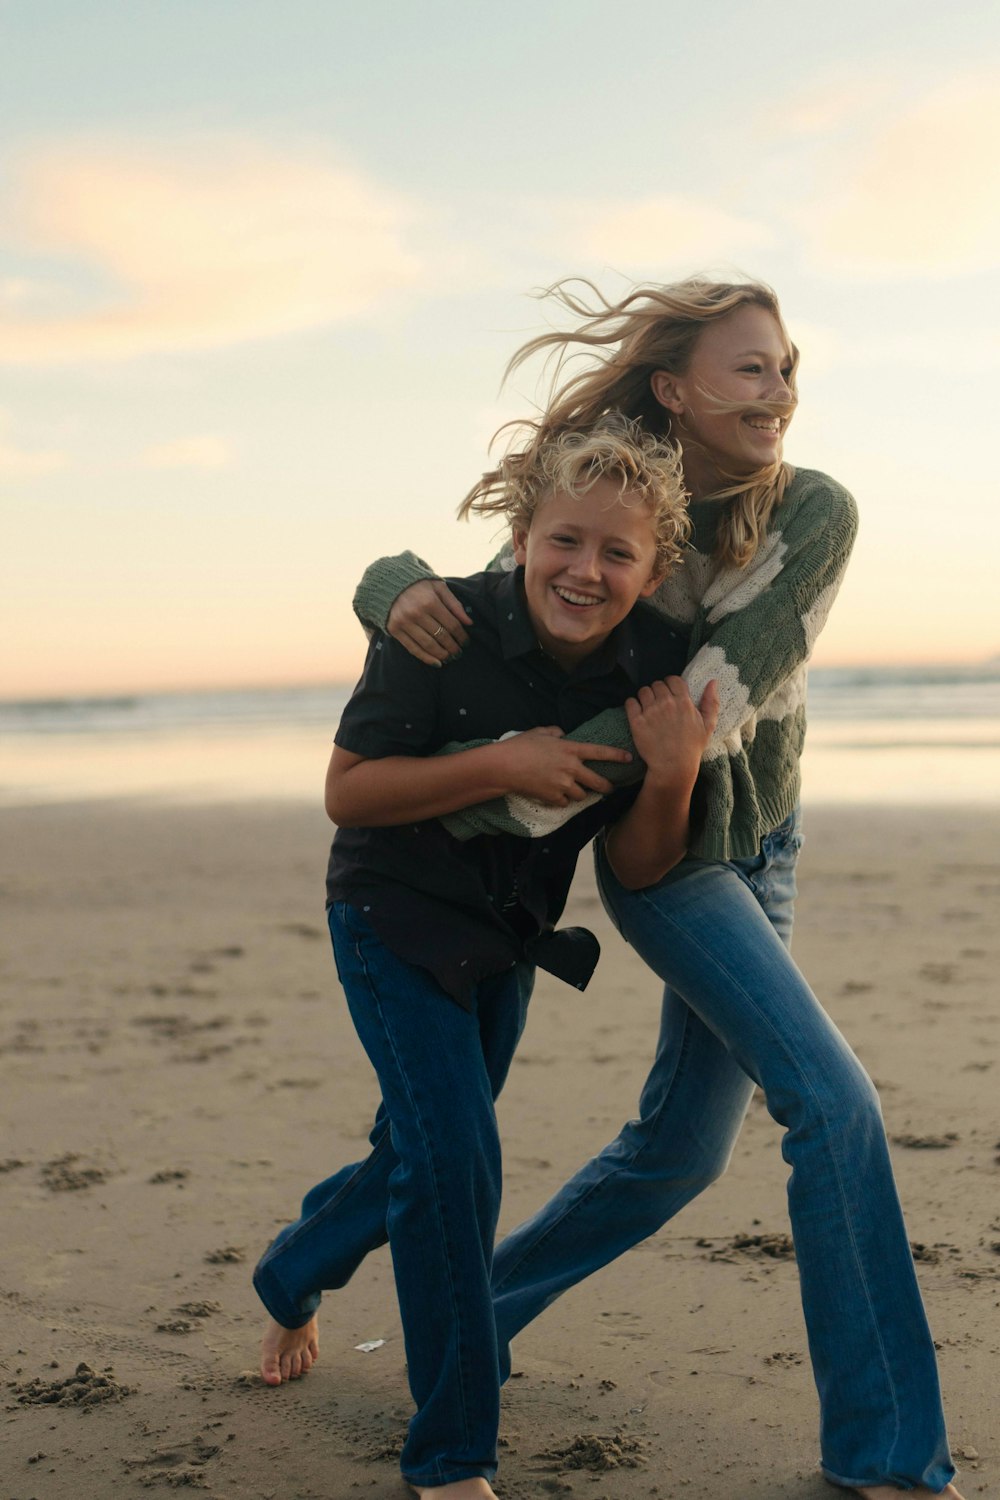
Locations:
(572, 598)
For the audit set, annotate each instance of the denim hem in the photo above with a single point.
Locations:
(275, 1303)
(903, 1485)
(451, 1475)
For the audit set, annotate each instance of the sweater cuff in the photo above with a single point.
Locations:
(382, 583)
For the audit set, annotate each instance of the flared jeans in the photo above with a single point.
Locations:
(737, 1012)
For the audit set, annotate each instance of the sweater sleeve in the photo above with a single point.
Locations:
(381, 585)
(757, 626)
(387, 577)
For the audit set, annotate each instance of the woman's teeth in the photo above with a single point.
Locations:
(760, 425)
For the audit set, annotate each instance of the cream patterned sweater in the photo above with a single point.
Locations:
(752, 629)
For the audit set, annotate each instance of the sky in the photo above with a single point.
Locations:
(262, 263)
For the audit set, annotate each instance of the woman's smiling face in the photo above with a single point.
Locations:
(745, 357)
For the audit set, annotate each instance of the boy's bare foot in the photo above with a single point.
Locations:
(890, 1492)
(287, 1353)
(463, 1489)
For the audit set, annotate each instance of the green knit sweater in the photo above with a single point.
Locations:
(752, 629)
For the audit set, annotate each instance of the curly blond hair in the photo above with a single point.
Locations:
(652, 328)
(647, 471)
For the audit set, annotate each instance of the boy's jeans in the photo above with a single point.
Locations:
(737, 1011)
(435, 1161)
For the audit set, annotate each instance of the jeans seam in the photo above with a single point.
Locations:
(709, 957)
(438, 1472)
(326, 1209)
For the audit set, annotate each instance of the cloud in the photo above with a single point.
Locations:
(915, 193)
(24, 463)
(198, 245)
(205, 452)
(665, 229)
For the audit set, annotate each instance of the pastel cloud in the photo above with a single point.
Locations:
(200, 452)
(664, 229)
(198, 245)
(916, 193)
(25, 463)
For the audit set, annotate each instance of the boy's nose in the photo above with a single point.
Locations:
(587, 564)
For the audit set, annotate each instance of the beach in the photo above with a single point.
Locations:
(177, 1067)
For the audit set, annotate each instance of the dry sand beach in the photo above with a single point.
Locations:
(177, 1066)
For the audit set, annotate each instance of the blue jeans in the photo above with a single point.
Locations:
(430, 1185)
(736, 1011)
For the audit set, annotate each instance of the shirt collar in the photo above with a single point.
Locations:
(517, 634)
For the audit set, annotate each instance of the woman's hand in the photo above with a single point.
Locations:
(427, 619)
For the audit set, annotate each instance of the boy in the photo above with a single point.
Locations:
(436, 940)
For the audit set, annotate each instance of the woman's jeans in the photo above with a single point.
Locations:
(736, 1011)
(431, 1185)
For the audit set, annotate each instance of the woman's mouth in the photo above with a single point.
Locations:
(769, 425)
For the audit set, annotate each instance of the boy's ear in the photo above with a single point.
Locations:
(519, 540)
(664, 388)
(652, 584)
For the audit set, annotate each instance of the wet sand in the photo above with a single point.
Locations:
(177, 1066)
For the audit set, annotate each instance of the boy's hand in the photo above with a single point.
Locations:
(670, 731)
(427, 619)
(544, 765)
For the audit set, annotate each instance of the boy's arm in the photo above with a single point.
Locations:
(542, 763)
(670, 733)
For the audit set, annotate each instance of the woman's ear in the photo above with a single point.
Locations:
(665, 389)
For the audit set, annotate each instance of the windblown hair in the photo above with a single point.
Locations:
(652, 328)
(646, 469)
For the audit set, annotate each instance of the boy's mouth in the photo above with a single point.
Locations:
(579, 601)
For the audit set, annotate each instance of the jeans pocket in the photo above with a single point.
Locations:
(341, 919)
(753, 869)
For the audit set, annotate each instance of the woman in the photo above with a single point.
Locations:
(711, 366)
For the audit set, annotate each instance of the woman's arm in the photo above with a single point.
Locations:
(403, 597)
(759, 628)
(758, 624)
(541, 763)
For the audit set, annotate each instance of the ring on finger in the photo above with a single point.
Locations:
(439, 631)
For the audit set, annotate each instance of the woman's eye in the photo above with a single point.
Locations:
(751, 369)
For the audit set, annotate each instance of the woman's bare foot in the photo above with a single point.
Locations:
(890, 1492)
(463, 1489)
(287, 1353)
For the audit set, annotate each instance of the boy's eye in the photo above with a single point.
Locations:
(620, 554)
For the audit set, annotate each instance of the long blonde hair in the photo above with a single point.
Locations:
(652, 328)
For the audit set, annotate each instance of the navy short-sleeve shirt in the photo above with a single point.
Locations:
(466, 909)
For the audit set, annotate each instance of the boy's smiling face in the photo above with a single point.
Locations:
(586, 559)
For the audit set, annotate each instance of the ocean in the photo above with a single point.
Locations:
(888, 735)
